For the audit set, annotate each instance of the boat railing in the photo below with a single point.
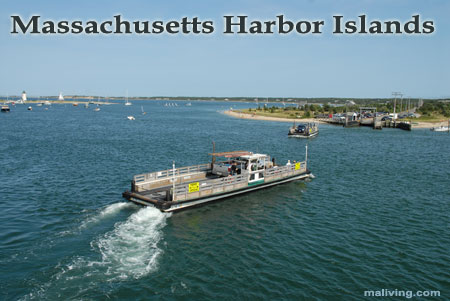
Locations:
(210, 184)
(298, 166)
(223, 184)
(169, 173)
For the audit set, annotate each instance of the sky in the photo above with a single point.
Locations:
(273, 65)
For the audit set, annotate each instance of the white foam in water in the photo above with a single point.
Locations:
(131, 249)
(106, 212)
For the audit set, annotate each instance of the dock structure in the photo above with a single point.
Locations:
(349, 119)
(374, 122)
(403, 125)
(377, 123)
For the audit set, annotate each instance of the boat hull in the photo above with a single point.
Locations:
(183, 205)
(441, 129)
(303, 135)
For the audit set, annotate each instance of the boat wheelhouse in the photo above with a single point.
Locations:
(240, 172)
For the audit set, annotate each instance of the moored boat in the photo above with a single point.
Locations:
(5, 108)
(241, 172)
(441, 128)
(304, 130)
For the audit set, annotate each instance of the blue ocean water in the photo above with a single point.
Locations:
(375, 217)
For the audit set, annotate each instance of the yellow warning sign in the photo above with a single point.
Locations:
(194, 187)
(297, 166)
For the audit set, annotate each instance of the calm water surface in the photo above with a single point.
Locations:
(376, 215)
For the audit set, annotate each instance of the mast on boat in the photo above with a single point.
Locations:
(127, 103)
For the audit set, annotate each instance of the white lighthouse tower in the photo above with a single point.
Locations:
(24, 97)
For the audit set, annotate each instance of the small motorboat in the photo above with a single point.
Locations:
(30, 108)
(5, 108)
(96, 109)
(39, 104)
(441, 128)
(75, 104)
(304, 130)
(131, 118)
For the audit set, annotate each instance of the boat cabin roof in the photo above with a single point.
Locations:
(253, 156)
(233, 154)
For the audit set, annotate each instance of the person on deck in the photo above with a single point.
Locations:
(233, 168)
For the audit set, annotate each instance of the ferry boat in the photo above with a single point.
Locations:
(240, 172)
(304, 130)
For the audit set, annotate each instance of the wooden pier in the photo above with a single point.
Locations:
(375, 123)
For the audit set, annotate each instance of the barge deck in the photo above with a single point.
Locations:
(180, 188)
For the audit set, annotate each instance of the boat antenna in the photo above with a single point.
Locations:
(173, 188)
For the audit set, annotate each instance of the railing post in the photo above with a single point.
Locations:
(306, 156)
(173, 172)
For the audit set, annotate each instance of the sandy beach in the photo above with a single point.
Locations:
(257, 117)
(415, 125)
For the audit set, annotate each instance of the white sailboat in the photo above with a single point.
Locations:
(142, 109)
(127, 103)
(60, 97)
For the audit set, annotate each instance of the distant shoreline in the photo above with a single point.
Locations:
(266, 118)
(61, 102)
(415, 125)
(253, 100)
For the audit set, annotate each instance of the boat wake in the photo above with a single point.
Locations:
(129, 251)
(106, 212)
